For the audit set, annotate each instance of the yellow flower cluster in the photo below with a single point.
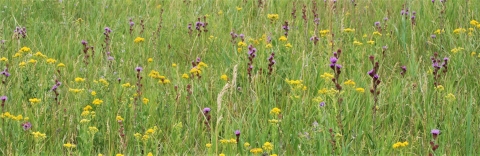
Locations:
(149, 132)
(79, 79)
(39, 136)
(34, 101)
(13, 117)
(450, 97)
(69, 145)
(349, 83)
(439, 88)
(348, 30)
(296, 84)
(39, 54)
(324, 33)
(197, 70)
(97, 102)
(75, 90)
(400, 144)
(119, 118)
(256, 150)
(456, 50)
(283, 38)
(272, 17)
(327, 76)
(139, 39)
(92, 130)
(377, 33)
(224, 77)
(275, 111)
(228, 141)
(267, 146)
(459, 30)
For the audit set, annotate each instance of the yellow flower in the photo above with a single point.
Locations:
(208, 145)
(22, 64)
(473, 22)
(119, 154)
(275, 111)
(100, 154)
(93, 93)
(75, 90)
(201, 64)
(224, 77)
(450, 97)
(24, 49)
(221, 154)
(273, 121)
(139, 39)
(220, 12)
(456, 50)
(84, 121)
(150, 60)
(268, 46)
(272, 17)
(34, 101)
(79, 79)
(267, 146)
(348, 30)
(97, 102)
(92, 130)
(145, 100)
(288, 45)
(69, 145)
(283, 38)
(39, 136)
(4, 59)
(473, 54)
(459, 30)
(349, 83)
(439, 88)
(246, 145)
(324, 33)
(377, 33)
(39, 54)
(327, 76)
(256, 150)
(32, 61)
(239, 8)
(360, 90)
(273, 154)
(119, 118)
(51, 61)
(87, 108)
(103, 81)
(126, 85)
(61, 65)
(185, 76)
(438, 31)
(242, 44)
(85, 113)
(400, 144)
(159, 6)
(174, 65)
(357, 43)
(371, 42)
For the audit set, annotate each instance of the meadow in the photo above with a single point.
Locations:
(245, 77)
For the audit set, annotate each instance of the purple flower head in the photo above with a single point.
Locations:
(446, 59)
(206, 110)
(108, 30)
(433, 1)
(375, 76)
(285, 27)
(237, 132)
(384, 48)
(84, 42)
(189, 26)
(6, 73)
(377, 24)
(3, 98)
(315, 124)
(333, 60)
(404, 68)
(26, 126)
(138, 69)
(199, 59)
(414, 13)
(413, 17)
(54, 88)
(371, 72)
(338, 66)
(274, 62)
(110, 58)
(322, 104)
(435, 131)
(242, 36)
(131, 23)
(385, 19)
(402, 12)
(433, 36)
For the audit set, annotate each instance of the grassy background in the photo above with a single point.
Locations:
(409, 107)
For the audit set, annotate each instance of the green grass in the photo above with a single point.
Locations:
(409, 106)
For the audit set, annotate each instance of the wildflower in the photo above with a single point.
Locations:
(202, 64)
(459, 30)
(126, 85)
(39, 136)
(3, 98)
(239, 8)
(371, 42)
(348, 30)
(283, 38)
(185, 76)
(206, 110)
(145, 101)
(360, 90)
(24, 49)
(324, 33)
(34, 101)
(150, 60)
(438, 31)
(39, 54)
(268, 46)
(273, 154)
(242, 44)
(272, 17)
(267, 146)
(119, 154)
(246, 145)
(275, 111)
(150, 131)
(150, 154)
(224, 77)
(439, 88)
(221, 154)
(377, 33)
(357, 43)
(174, 65)
(51, 61)
(256, 150)
(75, 90)
(208, 145)
(435, 132)
(22, 64)
(220, 12)
(84, 121)
(119, 118)
(288, 45)
(450, 97)
(69, 145)
(92, 130)
(60, 65)
(26, 126)
(349, 83)
(139, 39)
(474, 22)
(97, 102)
(327, 76)
(400, 144)
(456, 50)
(473, 54)
(93, 93)
(3, 59)
(79, 79)
(322, 104)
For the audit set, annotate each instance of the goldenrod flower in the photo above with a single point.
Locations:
(79, 79)
(459, 30)
(246, 145)
(288, 45)
(34, 101)
(22, 64)
(92, 130)
(221, 154)
(84, 121)
(126, 85)
(39, 136)
(208, 145)
(51, 61)
(119, 154)
(283, 38)
(3, 59)
(224, 77)
(145, 101)
(242, 44)
(400, 144)
(360, 90)
(268, 46)
(24, 49)
(377, 33)
(119, 118)
(61, 65)
(473, 22)
(275, 111)
(139, 39)
(324, 33)
(349, 83)
(357, 43)
(371, 42)
(174, 65)
(93, 93)
(256, 150)
(272, 17)
(327, 76)
(439, 88)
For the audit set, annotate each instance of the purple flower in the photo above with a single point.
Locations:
(84, 42)
(131, 23)
(206, 110)
(237, 132)
(108, 30)
(242, 36)
(384, 48)
(433, 36)
(3, 98)
(138, 69)
(385, 19)
(376, 76)
(322, 104)
(333, 60)
(435, 131)
(377, 24)
(446, 59)
(26, 126)
(110, 58)
(371, 72)
(404, 68)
